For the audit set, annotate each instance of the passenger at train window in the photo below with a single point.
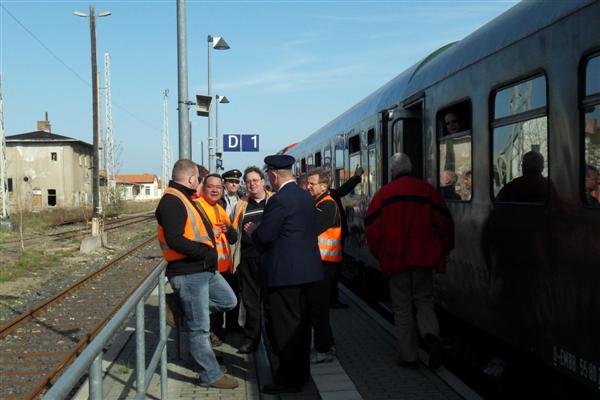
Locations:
(592, 186)
(532, 186)
(468, 185)
(453, 123)
(448, 181)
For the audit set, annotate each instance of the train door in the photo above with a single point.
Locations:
(406, 129)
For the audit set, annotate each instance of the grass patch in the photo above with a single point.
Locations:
(32, 261)
(123, 367)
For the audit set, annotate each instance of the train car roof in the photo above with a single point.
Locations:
(522, 20)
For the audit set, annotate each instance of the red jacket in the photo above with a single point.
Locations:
(408, 226)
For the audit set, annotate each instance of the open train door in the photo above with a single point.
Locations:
(403, 132)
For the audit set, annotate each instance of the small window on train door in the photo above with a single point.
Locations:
(590, 106)
(318, 159)
(327, 158)
(309, 161)
(454, 149)
(303, 166)
(297, 171)
(340, 172)
(520, 142)
(354, 150)
(372, 163)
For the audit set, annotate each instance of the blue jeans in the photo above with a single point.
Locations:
(202, 293)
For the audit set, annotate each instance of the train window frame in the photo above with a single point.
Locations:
(302, 165)
(309, 161)
(327, 153)
(318, 159)
(458, 108)
(587, 101)
(523, 116)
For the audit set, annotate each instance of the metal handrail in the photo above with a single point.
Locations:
(91, 358)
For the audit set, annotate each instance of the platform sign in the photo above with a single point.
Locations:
(240, 142)
(249, 142)
(232, 143)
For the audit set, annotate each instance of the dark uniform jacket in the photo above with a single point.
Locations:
(172, 215)
(408, 226)
(287, 239)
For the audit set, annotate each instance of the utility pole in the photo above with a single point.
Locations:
(185, 138)
(109, 140)
(3, 174)
(166, 145)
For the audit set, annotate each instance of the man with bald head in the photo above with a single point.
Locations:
(187, 241)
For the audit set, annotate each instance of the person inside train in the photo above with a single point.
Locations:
(453, 123)
(532, 186)
(468, 185)
(188, 244)
(592, 189)
(448, 181)
(410, 238)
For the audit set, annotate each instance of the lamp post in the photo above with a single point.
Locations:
(95, 181)
(218, 43)
(224, 100)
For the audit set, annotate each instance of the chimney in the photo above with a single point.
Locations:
(44, 125)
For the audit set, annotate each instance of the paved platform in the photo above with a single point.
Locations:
(365, 367)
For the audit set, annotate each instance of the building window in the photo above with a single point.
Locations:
(591, 135)
(54, 156)
(9, 185)
(147, 190)
(520, 142)
(51, 197)
(454, 149)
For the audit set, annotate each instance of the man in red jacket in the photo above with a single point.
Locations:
(410, 231)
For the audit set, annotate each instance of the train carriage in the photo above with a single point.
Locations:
(525, 269)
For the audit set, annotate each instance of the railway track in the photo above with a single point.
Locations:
(38, 344)
(73, 233)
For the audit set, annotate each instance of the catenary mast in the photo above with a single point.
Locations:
(166, 153)
(109, 144)
(3, 175)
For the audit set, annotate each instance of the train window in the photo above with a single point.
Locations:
(297, 168)
(318, 159)
(591, 136)
(454, 149)
(372, 175)
(327, 158)
(303, 166)
(371, 137)
(354, 144)
(309, 159)
(520, 142)
(355, 162)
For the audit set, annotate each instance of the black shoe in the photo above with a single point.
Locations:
(275, 388)
(408, 364)
(338, 305)
(247, 347)
(435, 351)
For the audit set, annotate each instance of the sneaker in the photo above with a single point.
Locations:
(320, 358)
(215, 341)
(173, 309)
(435, 351)
(226, 382)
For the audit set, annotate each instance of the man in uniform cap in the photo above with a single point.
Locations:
(290, 264)
(232, 187)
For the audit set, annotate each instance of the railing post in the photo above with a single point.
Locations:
(140, 350)
(162, 319)
(95, 378)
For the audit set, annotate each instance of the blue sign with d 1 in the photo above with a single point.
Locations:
(232, 143)
(240, 142)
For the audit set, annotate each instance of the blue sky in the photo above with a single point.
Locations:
(293, 66)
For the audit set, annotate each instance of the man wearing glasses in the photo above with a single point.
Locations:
(250, 210)
(187, 241)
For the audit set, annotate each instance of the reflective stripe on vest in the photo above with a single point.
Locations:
(240, 209)
(194, 228)
(217, 216)
(330, 241)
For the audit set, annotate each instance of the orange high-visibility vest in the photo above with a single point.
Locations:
(330, 241)
(240, 208)
(217, 216)
(194, 228)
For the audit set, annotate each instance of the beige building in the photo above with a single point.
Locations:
(139, 187)
(48, 170)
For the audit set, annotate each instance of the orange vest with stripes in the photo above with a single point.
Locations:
(330, 241)
(194, 228)
(240, 207)
(217, 216)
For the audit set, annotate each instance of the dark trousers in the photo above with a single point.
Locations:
(287, 327)
(247, 274)
(318, 297)
(334, 292)
(231, 317)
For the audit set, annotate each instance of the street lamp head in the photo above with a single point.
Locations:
(222, 99)
(80, 14)
(104, 14)
(220, 43)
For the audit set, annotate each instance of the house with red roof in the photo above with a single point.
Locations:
(139, 187)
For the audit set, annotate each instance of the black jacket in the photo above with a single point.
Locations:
(172, 215)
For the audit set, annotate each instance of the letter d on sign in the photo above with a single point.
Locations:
(231, 143)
